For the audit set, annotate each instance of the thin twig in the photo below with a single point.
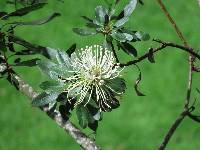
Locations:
(161, 47)
(173, 129)
(187, 101)
(194, 117)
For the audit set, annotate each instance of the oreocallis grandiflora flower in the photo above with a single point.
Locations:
(90, 76)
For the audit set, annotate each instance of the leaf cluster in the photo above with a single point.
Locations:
(111, 26)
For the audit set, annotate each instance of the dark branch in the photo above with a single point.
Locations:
(161, 47)
(173, 129)
(190, 77)
(194, 117)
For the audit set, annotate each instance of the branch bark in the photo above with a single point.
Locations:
(82, 139)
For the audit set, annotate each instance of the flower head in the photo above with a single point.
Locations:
(94, 69)
(89, 76)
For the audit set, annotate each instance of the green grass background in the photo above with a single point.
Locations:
(141, 122)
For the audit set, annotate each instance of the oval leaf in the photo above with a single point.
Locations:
(101, 13)
(83, 116)
(84, 32)
(44, 99)
(128, 48)
(25, 10)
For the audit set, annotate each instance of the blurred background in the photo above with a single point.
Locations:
(141, 122)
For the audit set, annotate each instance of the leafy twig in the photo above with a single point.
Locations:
(161, 47)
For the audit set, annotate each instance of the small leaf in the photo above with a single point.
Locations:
(60, 57)
(84, 116)
(118, 36)
(28, 63)
(84, 32)
(142, 36)
(71, 50)
(92, 25)
(101, 13)
(38, 22)
(151, 55)
(116, 85)
(51, 69)
(51, 85)
(87, 19)
(75, 91)
(107, 43)
(25, 52)
(121, 37)
(128, 10)
(44, 99)
(137, 82)
(121, 22)
(32, 47)
(128, 48)
(25, 10)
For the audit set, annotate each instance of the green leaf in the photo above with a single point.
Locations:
(128, 48)
(121, 22)
(98, 116)
(101, 13)
(44, 99)
(142, 36)
(51, 86)
(75, 91)
(28, 63)
(121, 37)
(60, 57)
(84, 32)
(25, 10)
(51, 69)
(117, 85)
(118, 36)
(108, 43)
(128, 10)
(71, 50)
(137, 82)
(32, 47)
(38, 22)
(92, 25)
(87, 18)
(83, 116)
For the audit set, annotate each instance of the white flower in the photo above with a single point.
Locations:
(92, 68)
